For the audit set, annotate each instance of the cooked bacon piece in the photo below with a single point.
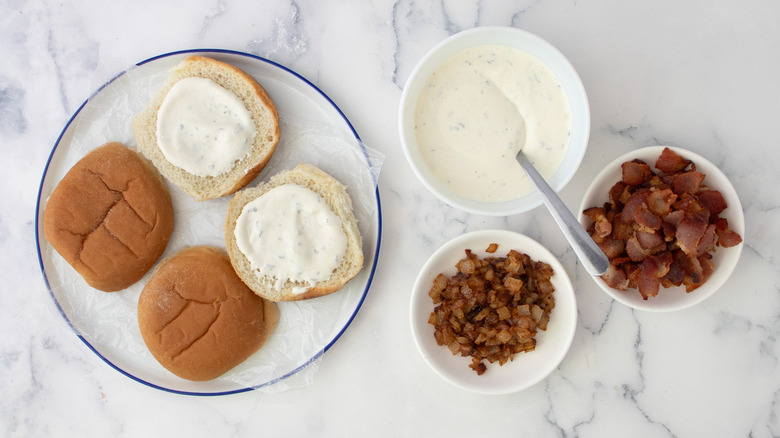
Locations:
(635, 251)
(726, 237)
(670, 161)
(656, 182)
(707, 265)
(675, 276)
(610, 213)
(674, 218)
(621, 230)
(707, 242)
(615, 277)
(647, 282)
(697, 277)
(669, 231)
(602, 226)
(649, 274)
(632, 273)
(612, 247)
(636, 172)
(644, 217)
(618, 195)
(632, 204)
(712, 200)
(603, 229)
(650, 239)
(696, 269)
(688, 234)
(671, 222)
(660, 201)
(687, 182)
(691, 207)
(694, 274)
(663, 261)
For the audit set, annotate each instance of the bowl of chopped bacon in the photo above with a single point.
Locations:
(670, 223)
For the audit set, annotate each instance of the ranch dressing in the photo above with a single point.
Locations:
(290, 233)
(204, 128)
(478, 109)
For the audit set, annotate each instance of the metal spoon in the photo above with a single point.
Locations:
(591, 256)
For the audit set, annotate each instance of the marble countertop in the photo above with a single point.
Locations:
(699, 75)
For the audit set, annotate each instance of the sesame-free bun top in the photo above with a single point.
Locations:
(258, 103)
(110, 217)
(337, 199)
(198, 319)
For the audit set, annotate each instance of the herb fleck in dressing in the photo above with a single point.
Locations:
(479, 108)
(290, 233)
(204, 128)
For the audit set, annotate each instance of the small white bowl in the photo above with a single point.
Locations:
(507, 36)
(527, 368)
(725, 259)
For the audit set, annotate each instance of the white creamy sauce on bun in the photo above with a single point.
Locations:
(479, 108)
(290, 233)
(204, 128)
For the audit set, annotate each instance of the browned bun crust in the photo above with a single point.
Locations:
(110, 217)
(198, 319)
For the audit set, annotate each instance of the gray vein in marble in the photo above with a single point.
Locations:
(574, 424)
(220, 10)
(641, 135)
(396, 45)
(586, 421)
(517, 16)
(632, 393)
(552, 421)
(58, 70)
(288, 41)
(774, 417)
(623, 132)
(12, 119)
(23, 423)
(595, 331)
(450, 25)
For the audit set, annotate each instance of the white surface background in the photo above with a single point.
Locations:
(699, 75)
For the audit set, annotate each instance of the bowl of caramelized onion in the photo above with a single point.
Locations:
(493, 312)
(670, 223)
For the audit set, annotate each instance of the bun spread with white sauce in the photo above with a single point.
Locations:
(294, 237)
(211, 128)
(110, 217)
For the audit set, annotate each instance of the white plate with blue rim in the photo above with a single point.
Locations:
(313, 130)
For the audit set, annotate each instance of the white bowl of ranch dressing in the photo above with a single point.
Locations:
(477, 98)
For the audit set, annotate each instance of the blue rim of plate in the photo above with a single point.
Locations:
(316, 355)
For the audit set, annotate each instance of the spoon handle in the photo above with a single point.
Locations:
(591, 256)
